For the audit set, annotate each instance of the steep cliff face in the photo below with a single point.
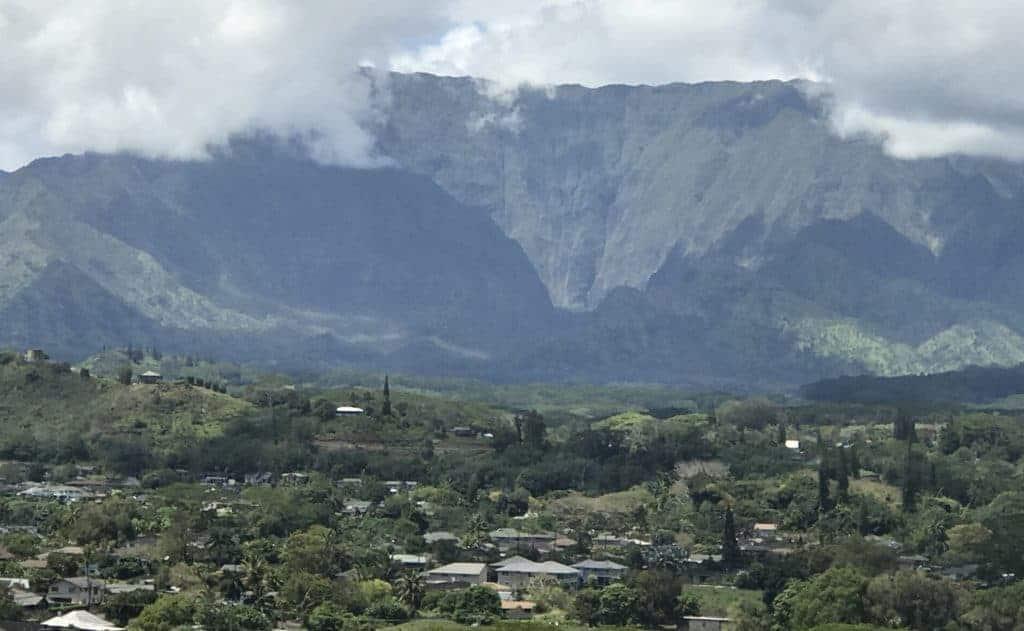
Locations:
(256, 245)
(600, 185)
(707, 234)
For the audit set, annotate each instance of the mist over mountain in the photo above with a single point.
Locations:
(701, 234)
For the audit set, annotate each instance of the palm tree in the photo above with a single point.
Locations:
(410, 589)
(257, 580)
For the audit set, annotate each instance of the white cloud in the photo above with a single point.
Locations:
(926, 78)
(171, 78)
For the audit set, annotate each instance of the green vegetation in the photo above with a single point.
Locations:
(261, 505)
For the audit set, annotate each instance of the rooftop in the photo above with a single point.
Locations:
(591, 564)
(530, 567)
(468, 569)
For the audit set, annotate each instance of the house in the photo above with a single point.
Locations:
(416, 561)
(259, 479)
(609, 541)
(600, 572)
(150, 377)
(518, 574)
(26, 599)
(463, 432)
(127, 588)
(766, 530)
(348, 410)
(469, 573)
(438, 536)
(35, 355)
(294, 479)
(395, 486)
(704, 623)
(513, 559)
(699, 569)
(60, 492)
(356, 507)
(508, 538)
(15, 583)
(80, 619)
(81, 590)
(793, 444)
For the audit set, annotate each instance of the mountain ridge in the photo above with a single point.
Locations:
(703, 234)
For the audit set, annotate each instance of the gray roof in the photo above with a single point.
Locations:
(465, 569)
(591, 564)
(513, 559)
(530, 567)
(82, 582)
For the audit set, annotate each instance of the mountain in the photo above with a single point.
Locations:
(709, 234)
(732, 208)
(254, 254)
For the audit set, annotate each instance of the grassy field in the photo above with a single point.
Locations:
(879, 490)
(717, 600)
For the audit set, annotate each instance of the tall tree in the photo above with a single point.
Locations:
(730, 546)
(910, 487)
(843, 476)
(855, 460)
(386, 408)
(533, 429)
(824, 500)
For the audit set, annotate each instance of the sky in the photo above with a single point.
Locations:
(174, 79)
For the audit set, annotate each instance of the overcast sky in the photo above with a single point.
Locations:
(171, 78)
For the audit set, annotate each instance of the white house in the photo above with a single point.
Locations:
(348, 410)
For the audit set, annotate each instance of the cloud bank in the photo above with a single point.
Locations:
(172, 79)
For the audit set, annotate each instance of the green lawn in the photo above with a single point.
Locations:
(723, 601)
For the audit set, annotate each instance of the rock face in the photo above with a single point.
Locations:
(737, 205)
(257, 245)
(600, 185)
(705, 234)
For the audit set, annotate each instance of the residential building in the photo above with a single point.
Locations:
(518, 574)
(150, 377)
(510, 538)
(469, 573)
(704, 623)
(416, 561)
(439, 535)
(699, 569)
(35, 355)
(80, 619)
(80, 590)
(348, 410)
(600, 572)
